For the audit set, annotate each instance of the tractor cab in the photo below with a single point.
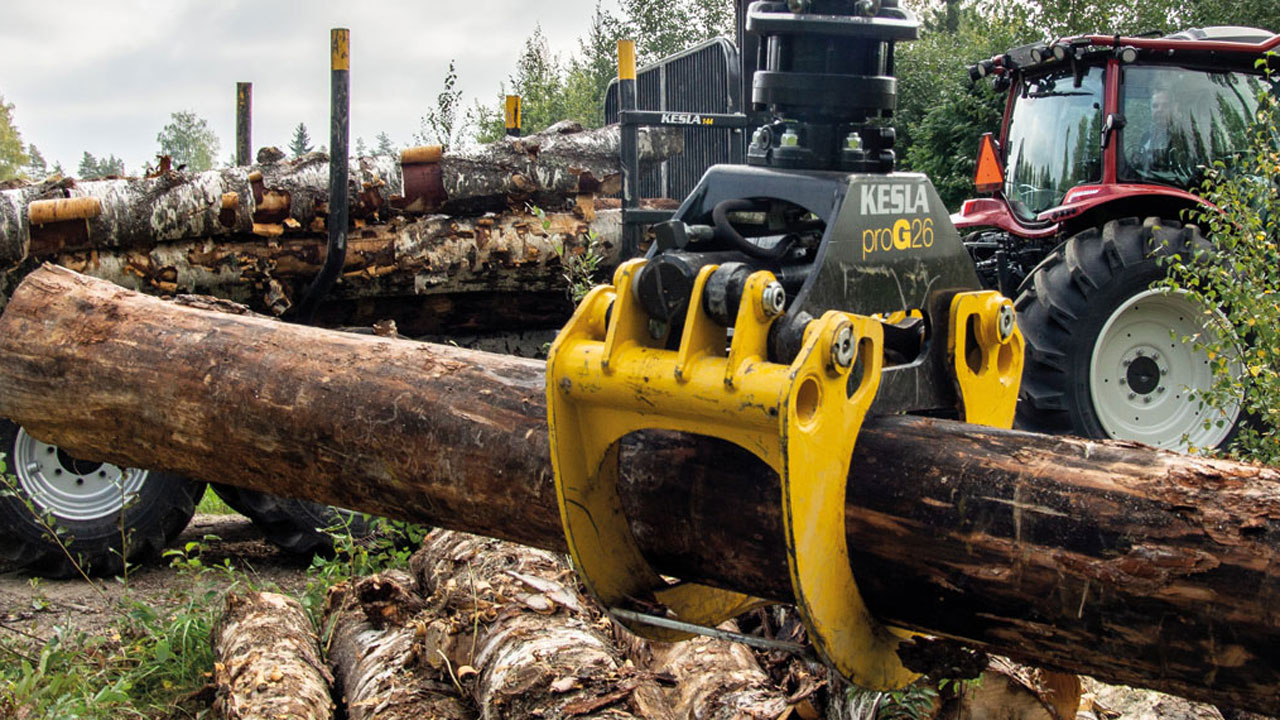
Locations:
(1094, 120)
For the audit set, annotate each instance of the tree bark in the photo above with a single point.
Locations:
(371, 650)
(549, 170)
(717, 680)
(1105, 558)
(513, 252)
(268, 662)
(513, 615)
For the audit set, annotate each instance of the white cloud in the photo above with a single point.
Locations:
(104, 77)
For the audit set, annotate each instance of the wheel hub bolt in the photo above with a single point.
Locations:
(774, 299)
(1160, 389)
(1133, 395)
(842, 348)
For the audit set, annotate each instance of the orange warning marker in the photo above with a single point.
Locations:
(989, 176)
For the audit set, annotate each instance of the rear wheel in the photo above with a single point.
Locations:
(102, 513)
(1105, 355)
(301, 527)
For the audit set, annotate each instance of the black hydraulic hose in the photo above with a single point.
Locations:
(340, 115)
(726, 231)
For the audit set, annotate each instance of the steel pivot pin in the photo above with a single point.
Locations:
(773, 299)
(842, 348)
(1005, 322)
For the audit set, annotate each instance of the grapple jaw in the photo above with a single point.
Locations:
(611, 372)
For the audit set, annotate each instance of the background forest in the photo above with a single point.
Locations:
(941, 113)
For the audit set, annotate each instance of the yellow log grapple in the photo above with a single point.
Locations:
(612, 372)
(783, 301)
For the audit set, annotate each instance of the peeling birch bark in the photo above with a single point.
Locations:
(514, 614)
(551, 170)
(268, 661)
(511, 252)
(371, 650)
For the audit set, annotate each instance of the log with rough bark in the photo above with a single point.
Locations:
(550, 169)
(268, 661)
(514, 628)
(717, 680)
(1106, 558)
(371, 651)
(514, 252)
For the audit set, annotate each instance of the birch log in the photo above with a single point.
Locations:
(512, 252)
(268, 661)
(1110, 559)
(550, 170)
(513, 614)
(371, 650)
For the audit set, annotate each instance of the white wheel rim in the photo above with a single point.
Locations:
(1144, 378)
(68, 488)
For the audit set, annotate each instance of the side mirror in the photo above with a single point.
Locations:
(989, 175)
(1114, 122)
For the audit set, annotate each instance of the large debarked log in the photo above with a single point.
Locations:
(1110, 559)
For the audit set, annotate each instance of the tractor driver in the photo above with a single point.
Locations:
(1155, 146)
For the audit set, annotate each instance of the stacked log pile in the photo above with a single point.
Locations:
(480, 222)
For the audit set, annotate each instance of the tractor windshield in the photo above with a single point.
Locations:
(1179, 121)
(1054, 139)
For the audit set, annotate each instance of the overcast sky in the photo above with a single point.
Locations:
(103, 77)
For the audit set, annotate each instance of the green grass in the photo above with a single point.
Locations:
(211, 504)
(155, 656)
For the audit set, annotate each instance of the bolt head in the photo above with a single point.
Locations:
(1005, 322)
(773, 299)
(842, 348)
(1133, 395)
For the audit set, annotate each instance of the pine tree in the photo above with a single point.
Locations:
(36, 168)
(362, 150)
(301, 143)
(385, 146)
(88, 169)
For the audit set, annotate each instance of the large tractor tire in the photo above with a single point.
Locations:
(300, 527)
(1104, 351)
(103, 513)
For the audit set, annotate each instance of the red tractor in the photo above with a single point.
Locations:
(1104, 142)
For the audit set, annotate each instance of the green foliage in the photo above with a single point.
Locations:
(941, 113)
(301, 143)
(664, 27)
(92, 168)
(36, 168)
(385, 146)
(1241, 278)
(553, 89)
(442, 124)
(189, 140)
(12, 156)
(592, 68)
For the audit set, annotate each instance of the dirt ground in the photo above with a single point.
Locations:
(30, 602)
